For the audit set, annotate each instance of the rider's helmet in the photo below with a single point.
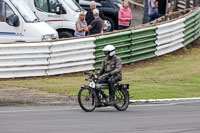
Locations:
(109, 50)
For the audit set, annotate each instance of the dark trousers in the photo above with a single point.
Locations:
(121, 27)
(153, 16)
(111, 82)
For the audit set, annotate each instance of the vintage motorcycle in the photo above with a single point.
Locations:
(96, 94)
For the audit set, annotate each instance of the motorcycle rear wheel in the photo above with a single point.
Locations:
(121, 99)
(86, 99)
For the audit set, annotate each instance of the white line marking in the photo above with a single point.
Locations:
(164, 100)
(164, 104)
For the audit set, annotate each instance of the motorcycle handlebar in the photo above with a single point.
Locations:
(94, 76)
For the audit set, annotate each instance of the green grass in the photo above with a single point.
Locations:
(169, 76)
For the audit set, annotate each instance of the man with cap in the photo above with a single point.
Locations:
(90, 17)
(95, 27)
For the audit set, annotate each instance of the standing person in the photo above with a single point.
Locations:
(95, 26)
(81, 25)
(90, 16)
(111, 66)
(163, 6)
(152, 10)
(124, 16)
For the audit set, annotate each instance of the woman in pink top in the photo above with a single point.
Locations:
(124, 16)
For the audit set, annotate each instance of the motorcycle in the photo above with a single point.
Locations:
(96, 94)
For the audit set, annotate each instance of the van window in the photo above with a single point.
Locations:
(48, 5)
(52, 6)
(41, 5)
(24, 11)
(5, 12)
(73, 5)
(9, 12)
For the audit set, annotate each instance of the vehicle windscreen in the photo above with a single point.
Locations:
(73, 5)
(24, 10)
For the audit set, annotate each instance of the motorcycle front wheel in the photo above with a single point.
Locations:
(86, 99)
(121, 99)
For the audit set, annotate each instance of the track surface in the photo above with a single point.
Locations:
(173, 117)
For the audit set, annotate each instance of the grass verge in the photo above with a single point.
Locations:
(169, 76)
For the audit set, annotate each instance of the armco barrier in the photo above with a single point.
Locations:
(43, 59)
(170, 37)
(24, 60)
(197, 27)
(192, 27)
(71, 56)
(143, 44)
(81, 54)
(121, 41)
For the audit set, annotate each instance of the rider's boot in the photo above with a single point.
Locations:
(111, 100)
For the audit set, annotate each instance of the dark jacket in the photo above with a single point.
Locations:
(111, 65)
(89, 16)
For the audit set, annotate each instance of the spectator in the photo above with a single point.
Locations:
(90, 16)
(152, 10)
(96, 25)
(81, 25)
(124, 16)
(163, 6)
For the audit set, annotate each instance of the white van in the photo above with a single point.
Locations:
(59, 14)
(19, 24)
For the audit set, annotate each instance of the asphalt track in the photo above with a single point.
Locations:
(171, 117)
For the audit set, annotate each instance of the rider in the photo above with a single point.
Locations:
(110, 66)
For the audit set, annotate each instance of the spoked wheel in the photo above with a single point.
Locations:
(86, 99)
(121, 99)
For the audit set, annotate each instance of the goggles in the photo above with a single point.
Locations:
(106, 52)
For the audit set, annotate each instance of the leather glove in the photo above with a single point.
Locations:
(98, 74)
(110, 74)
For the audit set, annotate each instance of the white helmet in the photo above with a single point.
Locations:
(109, 49)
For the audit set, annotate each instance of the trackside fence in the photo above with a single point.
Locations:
(192, 27)
(143, 44)
(170, 37)
(122, 43)
(71, 56)
(82, 54)
(24, 60)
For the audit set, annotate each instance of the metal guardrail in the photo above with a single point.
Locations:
(170, 37)
(46, 58)
(192, 27)
(143, 44)
(184, 4)
(81, 54)
(71, 56)
(24, 60)
(121, 41)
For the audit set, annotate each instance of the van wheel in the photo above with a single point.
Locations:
(64, 34)
(108, 24)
